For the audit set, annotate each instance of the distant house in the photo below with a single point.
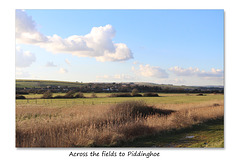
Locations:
(106, 89)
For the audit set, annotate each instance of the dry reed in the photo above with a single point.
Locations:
(104, 125)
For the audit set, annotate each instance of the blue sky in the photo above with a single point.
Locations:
(182, 47)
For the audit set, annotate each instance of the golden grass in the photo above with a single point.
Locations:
(100, 125)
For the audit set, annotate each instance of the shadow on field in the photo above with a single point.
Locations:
(182, 137)
(135, 109)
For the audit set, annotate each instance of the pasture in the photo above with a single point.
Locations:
(102, 98)
(110, 121)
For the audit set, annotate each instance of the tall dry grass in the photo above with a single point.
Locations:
(104, 125)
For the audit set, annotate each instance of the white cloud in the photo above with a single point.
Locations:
(213, 73)
(103, 77)
(150, 71)
(195, 71)
(20, 73)
(184, 72)
(98, 43)
(24, 58)
(116, 77)
(50, 64)
(67, 61)
(62, 70)
(124, 77)
(26, 31)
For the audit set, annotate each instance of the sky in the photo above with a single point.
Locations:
(180, 47)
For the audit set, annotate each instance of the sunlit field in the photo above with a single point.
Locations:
(109, 121)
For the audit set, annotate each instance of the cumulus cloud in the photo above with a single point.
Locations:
(50, 64)
(24, 58)
(184, 72)
(213, 73)
(62, 70)
(97, 44)
(25, 29)
(195, 71)
(150, 71)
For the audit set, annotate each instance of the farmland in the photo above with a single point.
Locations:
(102, 98)
(113, 121)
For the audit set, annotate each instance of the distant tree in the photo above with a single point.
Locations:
(94, 95)
(79, 95)
(135, 92)
(48, 94)
(70, 94)
(149, 94)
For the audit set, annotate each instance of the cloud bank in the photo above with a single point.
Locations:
(97, 44)
(116, 77)
(195, 71)
(24, 58)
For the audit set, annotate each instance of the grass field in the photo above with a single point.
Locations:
(103, 99)
(111, 121)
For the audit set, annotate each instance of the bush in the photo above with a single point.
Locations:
(134, 92)
(94, 95)
(20, 97)
(137, 95)
(79, 95)
(59, 96)
(47, 95)
(70, 94)
(150, 95)
(120, 95)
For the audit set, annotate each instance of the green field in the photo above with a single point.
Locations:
(93, 122)
(103, 99)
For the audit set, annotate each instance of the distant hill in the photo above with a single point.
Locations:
(21, 83)
(44, 83)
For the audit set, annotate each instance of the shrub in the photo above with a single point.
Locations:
(47, 94)
(70, 94)
(79, 95)
(20, 97)
(134, 92)
(200, 94)
(120, 95)
(94, 95)
(150, 95)
(59, 96)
